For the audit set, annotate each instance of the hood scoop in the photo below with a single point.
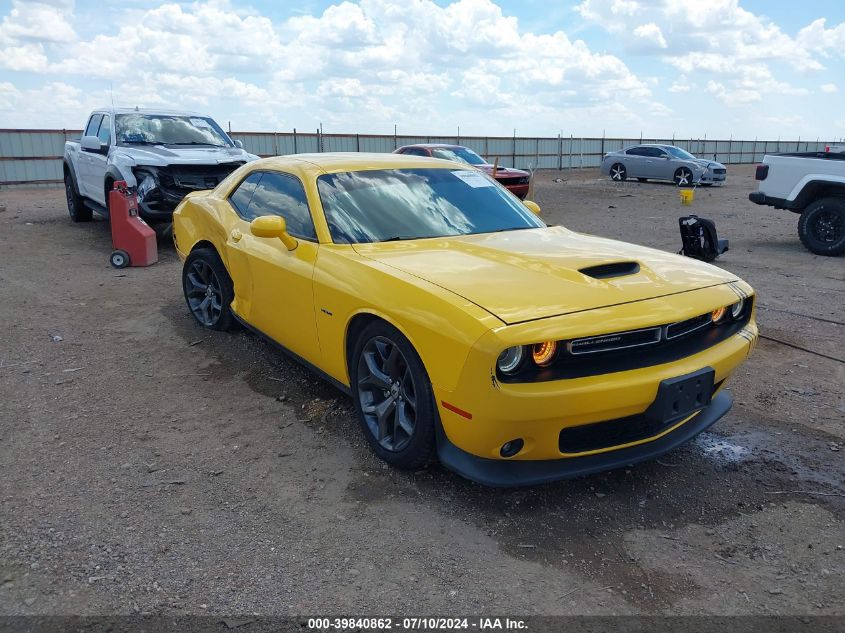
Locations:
(608, 271)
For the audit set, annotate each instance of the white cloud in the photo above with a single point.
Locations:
(829, 88)
(717, 37)
(650, 36)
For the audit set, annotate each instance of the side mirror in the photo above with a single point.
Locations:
(273, 226)
(92, 144)
(532, 206)
(239, 144)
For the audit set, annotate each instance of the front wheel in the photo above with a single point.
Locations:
(393, 397)
(208, 289)
(683, 177)
(822, 227)
(618, 172)
(75, 205)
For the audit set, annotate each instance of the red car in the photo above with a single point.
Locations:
(515, 180)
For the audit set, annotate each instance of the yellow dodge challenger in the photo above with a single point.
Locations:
(461, 324)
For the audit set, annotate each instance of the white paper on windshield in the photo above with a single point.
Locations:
(473, 178)
(200, 122)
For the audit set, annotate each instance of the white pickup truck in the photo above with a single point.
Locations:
(163, 154)
(812, 184)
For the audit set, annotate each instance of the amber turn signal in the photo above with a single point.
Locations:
(718, 314)
(544, 353)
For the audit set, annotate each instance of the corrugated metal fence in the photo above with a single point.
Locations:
(34, 157)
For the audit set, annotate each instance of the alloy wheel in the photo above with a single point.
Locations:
(617, 172)
(205, 296)
(827, 227)
(71, 206)
(387, 393)
(684, 177)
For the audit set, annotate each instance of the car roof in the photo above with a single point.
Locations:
(114, 110)
(436, 145)
(335, 162)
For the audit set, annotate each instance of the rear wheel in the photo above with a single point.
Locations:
(393, 397)
(683, 177)
(618, 172)
(822, 227)
(208, 289)
(75, 204)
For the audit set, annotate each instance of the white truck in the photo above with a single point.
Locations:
(163, 155)
(812, 184)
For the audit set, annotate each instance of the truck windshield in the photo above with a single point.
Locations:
(165, 129)
(387, 205)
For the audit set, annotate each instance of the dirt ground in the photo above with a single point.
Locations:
(147, 465)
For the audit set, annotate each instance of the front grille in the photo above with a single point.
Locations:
(623, 351)
(608, 342)
(591, 437)
(182, 179)
(686, 327)
(513, 180)
(720, 171)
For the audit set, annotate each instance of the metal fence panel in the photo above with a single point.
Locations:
(35, 156)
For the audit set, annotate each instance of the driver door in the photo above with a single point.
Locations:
(274, 286)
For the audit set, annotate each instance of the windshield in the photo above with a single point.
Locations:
(406, 204)
(677, 152)
(458, 155)
(162, 129)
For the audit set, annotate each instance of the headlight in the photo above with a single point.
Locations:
(737, 308)
(544, 353)
(511, 359)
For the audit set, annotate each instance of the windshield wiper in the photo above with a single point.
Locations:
(133, 142)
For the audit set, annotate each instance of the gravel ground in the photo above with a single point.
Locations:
(150, 466)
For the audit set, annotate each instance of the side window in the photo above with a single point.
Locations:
(416, 151)
(93, 125)
(280, 194)
(655, 152)
(105, 130)
(242, 196)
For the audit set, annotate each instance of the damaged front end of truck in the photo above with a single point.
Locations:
(161, 188)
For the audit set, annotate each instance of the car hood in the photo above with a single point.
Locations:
(712, 164)
(503, 172)
(161, 155)
(535, 273)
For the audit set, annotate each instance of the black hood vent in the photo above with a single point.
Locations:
(607, 271)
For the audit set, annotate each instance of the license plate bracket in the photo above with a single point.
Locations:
(680, 397)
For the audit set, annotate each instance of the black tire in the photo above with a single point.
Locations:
(208, 289)
(683, 177)
(643, 179)
(393, 397)
(119, 259)
(821, 227)
(618, 172)
(75, 204)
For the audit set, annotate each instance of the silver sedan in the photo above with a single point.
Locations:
(662, 162)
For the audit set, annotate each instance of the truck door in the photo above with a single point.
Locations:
(98, 163)
(85, 159)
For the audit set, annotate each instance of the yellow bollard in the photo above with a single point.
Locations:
(687, 196)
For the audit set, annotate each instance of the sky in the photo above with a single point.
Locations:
(685, 68)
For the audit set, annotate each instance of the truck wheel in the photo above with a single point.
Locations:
(822, 226)
(208, 289)
(75, 205)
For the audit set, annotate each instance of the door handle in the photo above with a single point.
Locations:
(236, 235)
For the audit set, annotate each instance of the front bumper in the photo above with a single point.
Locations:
(510, 473)
(711, 178)
(520, 191)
